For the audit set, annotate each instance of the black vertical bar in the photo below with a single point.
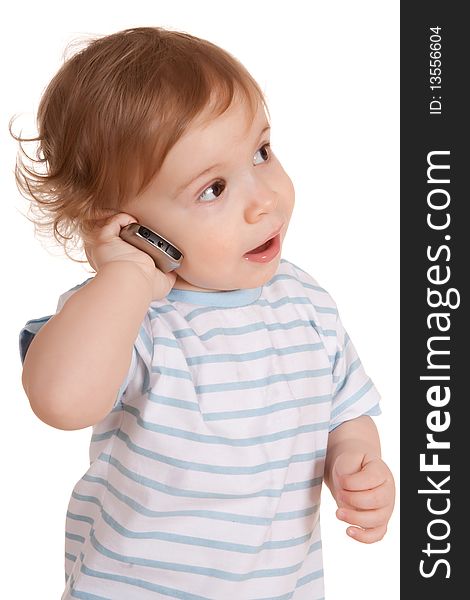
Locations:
(434, 260)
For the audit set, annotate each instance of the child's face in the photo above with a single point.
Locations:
(216, 217)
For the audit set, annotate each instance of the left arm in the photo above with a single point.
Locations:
(360, 482)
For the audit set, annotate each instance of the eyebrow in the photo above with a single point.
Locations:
(209, 169)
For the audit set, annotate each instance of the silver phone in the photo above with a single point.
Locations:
(166, 256)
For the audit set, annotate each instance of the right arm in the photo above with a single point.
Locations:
(78, 360)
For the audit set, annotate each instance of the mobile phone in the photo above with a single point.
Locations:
(166, 255)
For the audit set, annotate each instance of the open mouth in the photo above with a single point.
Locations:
(266, 252)
(262, 248)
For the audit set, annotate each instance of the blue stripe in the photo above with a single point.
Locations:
(220, 469)
(352, 399)
(325, 309)
(148, 343)
(169, 372)
(247, 356)
(162, 341)
(146, 585)
(314, 547)
(310, 577)
(185, 568)
(333, 358)
(86, 595)
(146, 382)
(374, 411)
(71, 557)
(203, 514)
(297, 268)
(156, 485)
(155, 587)
(75, 537)
(302, 485)
(189, 332)
(155, 311)
(252, 327)
(34, 325)
(336, 378)
(273, 408)
(216, 439)
(264, 381)
(99, 437)
(177, 402)
(83, 518)
(305, 284)
(311, 286)
(285, 300)
(236, 414)
(223, 415)
(302, 581)
(297, 514)
(222, 298)
(203, 542)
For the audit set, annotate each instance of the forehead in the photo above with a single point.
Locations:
(232, 127)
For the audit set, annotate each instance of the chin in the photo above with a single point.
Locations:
(264, 275)
(255, 278)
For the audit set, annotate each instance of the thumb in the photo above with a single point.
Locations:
(348, 463)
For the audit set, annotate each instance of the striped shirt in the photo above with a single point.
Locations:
(205, 478)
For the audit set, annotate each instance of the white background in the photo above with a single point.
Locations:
(330, 72)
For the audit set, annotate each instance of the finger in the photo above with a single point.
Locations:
(372, 475)
(364, 518)
(107, 228)
(114, 224)
(367, 536)
(366, 499)
(171, 276)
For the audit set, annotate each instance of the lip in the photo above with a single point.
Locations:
(273, 234)
(269, 253)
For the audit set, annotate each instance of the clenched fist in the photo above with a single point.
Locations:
(103, 246)
(364, 490)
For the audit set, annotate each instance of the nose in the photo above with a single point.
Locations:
(260, 199)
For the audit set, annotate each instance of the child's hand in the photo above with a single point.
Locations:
(104, 246)
(364, 491)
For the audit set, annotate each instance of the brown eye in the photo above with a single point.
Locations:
(213, 190)
(264, 152)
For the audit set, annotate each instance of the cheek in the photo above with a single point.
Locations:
(288, 194)
(212, 243)
(223, 244)
(289, 185)
(285, 186)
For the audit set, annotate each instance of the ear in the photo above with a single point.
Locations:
(97, 217)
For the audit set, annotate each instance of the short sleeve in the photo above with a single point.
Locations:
(34, 325)
(31, 327)
(28, 332)
(354, 393)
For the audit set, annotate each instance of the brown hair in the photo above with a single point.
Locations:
(111, 114)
